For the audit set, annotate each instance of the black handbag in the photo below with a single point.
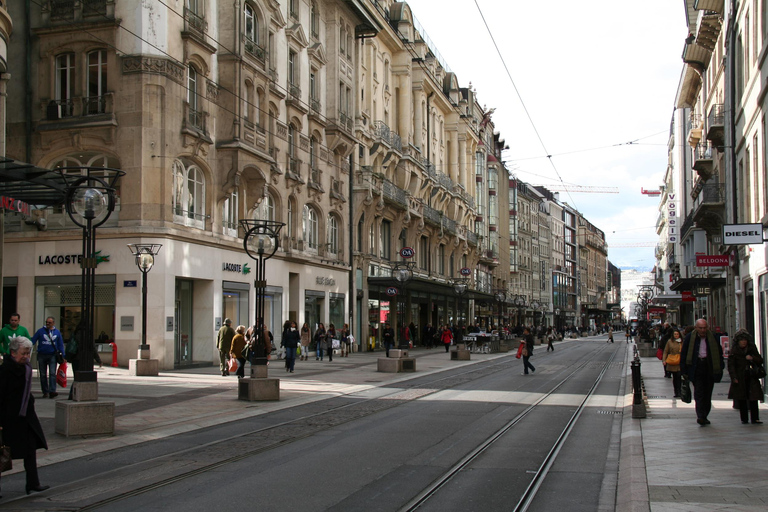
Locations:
(59, 357)
(756, 371)
(6, 463)
(685, 389)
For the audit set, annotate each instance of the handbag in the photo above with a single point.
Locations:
(756, 371)
(232, 365)
(673, 359)
(61, 375)
(298, 350)
(660, 354)
(685, 389)
(6, 462)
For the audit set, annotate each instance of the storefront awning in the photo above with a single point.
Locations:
(694, 283)
(33, 185)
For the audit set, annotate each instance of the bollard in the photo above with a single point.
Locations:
(638, 405)
(114, 353)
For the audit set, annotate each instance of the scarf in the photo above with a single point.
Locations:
(713, 351)
(27, 390)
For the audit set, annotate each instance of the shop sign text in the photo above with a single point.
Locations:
(14, 205)
(326, 281)
(236, 267)
(67, 259)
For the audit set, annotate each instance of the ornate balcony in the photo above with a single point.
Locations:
(703, 159)
(715, 125)
(695, 129)
(383, 134)
(708, 29)
(254, 50)
(709, 205)
(394, 194)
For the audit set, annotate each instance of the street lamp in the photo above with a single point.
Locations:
(145, 259)
(402, 271)
(500, 295)
(521, 303)
(557, 318)
(261, 241)
(460, 287)
(90, 201)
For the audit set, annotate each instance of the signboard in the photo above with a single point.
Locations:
(129, 284)
(687, 296)
(657, 310)
(407, 252)
(716, 260)
(373, 315)
(673, 236)
(391, 291)
(465, 271)
(169, 324)
(725, 342)
(126, 323)
(742, 234)
(14, 205)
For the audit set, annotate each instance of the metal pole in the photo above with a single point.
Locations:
(143, 307)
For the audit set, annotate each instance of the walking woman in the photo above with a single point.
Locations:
(319, 341)
(306, 337)
(345, 344)
(236, 350)
(329, 337)
(528, 352)
(671, 359)
(745, 387)
(291, 340)
(550, 339)
(20, 426)
(446, 337)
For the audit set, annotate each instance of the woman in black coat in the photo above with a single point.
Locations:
(745, 390)
(291, 340)
(20, 426)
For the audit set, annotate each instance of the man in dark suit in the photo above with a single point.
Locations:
(702, 361)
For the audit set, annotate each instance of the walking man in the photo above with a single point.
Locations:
(11, 330)
(49, 342)
(528, 337)
(702, 362)
(224, 344)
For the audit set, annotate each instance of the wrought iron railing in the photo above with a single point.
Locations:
(193, 22)
(94, 105)
(394, 193)
(716, 116)
(255, 49)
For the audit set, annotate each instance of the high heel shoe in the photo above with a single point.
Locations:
(38, 488)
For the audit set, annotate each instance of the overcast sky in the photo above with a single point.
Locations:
(596, 74)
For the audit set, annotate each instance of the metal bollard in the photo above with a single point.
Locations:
(638, 405)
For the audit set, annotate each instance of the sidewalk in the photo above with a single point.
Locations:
(670, 463)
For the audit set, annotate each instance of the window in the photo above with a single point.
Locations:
(251, 24)
(293, 10)
(194, 117)
(441, 259)
(372, 239)
(313, 153)
(195, 6)
(385, 236)
(65, 78)
(188, 194)
(314, 21)
(359, 242)
(424, 253)
(292, 71)
(310, 227)
(95, 102)
(88, 159)
(333, 235)
(291, 209)
(342, 38)
(229, 215)
(248, 103)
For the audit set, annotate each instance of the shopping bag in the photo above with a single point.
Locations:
(685, 389)
(298, 350)
(6, 463)
(660, 354)
(520, 350)
(61, 375)
(232, 366)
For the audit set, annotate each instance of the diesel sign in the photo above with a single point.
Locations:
(742, 234)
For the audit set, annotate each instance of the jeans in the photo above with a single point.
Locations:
(319, 353)
(387, 346)
(290, 358)
(240, 367)
(46, 365)
(527, 364)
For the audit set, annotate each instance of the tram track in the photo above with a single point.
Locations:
(540, 475)
(101, 490)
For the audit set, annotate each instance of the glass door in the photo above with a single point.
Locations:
(183, 323)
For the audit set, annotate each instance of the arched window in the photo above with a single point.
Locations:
(310, 226)
(251, 24)
(188, 194)
(88, 159)
(333, 235)
(265, 210)
(229, 216)
(359, 237)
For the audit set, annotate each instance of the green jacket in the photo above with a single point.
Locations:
(224, 338)
(7, 334)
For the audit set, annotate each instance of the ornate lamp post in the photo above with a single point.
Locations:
(521, 303)
(260, 240)
(557, 318)
(90, 202)
(460, 287)
(402, 271)
(500, 295)
(145, 259)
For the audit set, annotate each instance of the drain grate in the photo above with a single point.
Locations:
(657, 396)
(609, 412)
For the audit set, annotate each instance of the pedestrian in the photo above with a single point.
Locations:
(414, 333)
(665, 333)
(236, 350)
(331, 338)
(20, 428)
(610, 335)
(346, 346)
(306, 338)
(320, 343)
(224, 344)
(627, 333)
(49, 345)
(428, 337)
(446, 337)
(745, 387)
(671, 359)
(388, 336)
(10, 331)
(528, 351)
(291, 340)
(702, 362)
(550, 339)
